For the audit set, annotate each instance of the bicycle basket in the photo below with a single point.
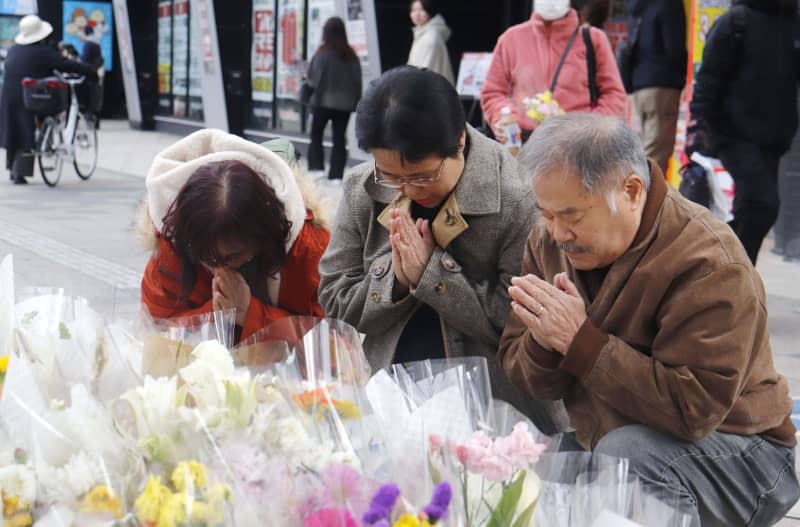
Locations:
(47, 96)
(90, 96)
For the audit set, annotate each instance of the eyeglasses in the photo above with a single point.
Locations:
(233, 261)
(422, 179)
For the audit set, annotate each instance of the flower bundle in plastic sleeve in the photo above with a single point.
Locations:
(542, 106)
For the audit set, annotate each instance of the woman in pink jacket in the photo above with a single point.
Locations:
(525, 62)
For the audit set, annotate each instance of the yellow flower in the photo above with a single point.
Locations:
(149, 503)
(22, 519)
(4, 364)
(101, 499)
(192, 469)
(409, 520)
(218, 496)
(173, 512)
(546, 97)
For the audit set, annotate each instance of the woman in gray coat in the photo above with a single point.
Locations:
(429, 233)
(335, 76)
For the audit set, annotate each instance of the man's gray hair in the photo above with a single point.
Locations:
(601, 150)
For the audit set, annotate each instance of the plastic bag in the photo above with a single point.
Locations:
(168, 343)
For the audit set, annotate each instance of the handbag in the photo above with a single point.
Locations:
(625, 53)
(306, 91)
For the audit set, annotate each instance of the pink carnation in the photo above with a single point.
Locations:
(473, 452)
(496, 468)
(519, 447)
(331, 518)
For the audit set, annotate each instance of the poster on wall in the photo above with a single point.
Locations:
(290, 61)
(78, 16)
(164, 51)
(17, 7)
(180, 57)
(472, 73)
(195, 74)
(319, 11)
(357, 31)
(262, 61)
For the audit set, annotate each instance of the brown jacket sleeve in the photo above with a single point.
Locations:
(708, 330)
(530, 367)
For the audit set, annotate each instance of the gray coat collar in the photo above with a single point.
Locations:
(478, 190)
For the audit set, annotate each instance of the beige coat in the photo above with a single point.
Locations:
(480, 234)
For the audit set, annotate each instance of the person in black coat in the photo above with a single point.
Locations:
(657, 31)
(92, 54)
(744, 106)
(34, 55)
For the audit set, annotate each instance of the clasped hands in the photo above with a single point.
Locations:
(229, 290)
(552, 313)
(412, 248)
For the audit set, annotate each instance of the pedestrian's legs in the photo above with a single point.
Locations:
(316, 155)
(339, 154)
(657, 112)
(23, 167)
(722, 480)
(756, 200)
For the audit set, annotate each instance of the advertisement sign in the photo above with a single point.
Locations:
(164, 49)
(318, 12)
(180, 56)
(18, 7)
(97, 15)
(357, 31)
(472, 73)
(262, 62)
(126, 58)
(291, 65)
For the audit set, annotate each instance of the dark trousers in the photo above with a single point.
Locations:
(22, 166)
(720, 481)
(316, 156)
(756, 201)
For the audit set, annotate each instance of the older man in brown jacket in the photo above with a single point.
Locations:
(643, 313)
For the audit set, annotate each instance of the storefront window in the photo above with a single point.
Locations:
(179, 88)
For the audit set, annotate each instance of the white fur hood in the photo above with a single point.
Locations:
(172, 168)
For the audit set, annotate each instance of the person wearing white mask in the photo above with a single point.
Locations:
(544, 67)
(431, 33)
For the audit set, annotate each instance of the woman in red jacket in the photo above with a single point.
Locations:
(233, 230)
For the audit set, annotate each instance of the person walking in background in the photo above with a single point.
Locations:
(429, 49)
(35, 55)
(334, 75)
(547, 55)
(592, 12)
(744, 107)
(657, 32)
(92, 54)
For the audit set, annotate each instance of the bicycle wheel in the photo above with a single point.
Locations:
(49, 151)
(85, 160)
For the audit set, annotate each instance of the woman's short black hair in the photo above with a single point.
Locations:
(430, 6)
(414, 111)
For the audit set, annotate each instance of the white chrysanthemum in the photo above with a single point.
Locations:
(20, 481)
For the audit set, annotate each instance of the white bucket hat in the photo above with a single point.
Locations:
(32, 29)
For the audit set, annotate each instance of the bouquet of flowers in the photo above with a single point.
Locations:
(384, 510)
(168, 343)
(186, 498)
(542, 106)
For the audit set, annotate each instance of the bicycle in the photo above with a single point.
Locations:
(75, 139)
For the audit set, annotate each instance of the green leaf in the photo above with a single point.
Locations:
(524, 519)
(503, 513)
(63, 331)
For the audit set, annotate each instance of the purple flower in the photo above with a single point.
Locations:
(381, 505)
(437, 508)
